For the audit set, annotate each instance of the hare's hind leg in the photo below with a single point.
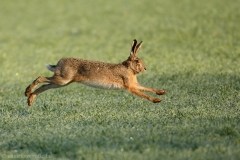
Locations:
(55, 82)
(41, 89)
(35, 83)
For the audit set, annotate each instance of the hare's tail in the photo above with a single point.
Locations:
(51, 67)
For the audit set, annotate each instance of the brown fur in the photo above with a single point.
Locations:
(96, 74)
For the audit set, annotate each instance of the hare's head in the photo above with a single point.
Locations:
(133, 62)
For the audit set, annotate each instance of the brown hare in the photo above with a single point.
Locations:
(96, 74)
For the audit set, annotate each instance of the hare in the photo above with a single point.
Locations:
(96, 74)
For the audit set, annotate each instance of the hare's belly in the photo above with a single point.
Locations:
(103, 85)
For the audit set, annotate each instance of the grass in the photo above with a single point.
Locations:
(191, 49)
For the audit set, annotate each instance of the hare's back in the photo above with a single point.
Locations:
(96, 74)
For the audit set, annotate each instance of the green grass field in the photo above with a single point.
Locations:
(191, 49)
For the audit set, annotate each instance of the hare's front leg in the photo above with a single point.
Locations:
(147, 89)
(130, 83)
(140, 94)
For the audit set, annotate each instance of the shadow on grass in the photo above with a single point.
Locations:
(200, 111)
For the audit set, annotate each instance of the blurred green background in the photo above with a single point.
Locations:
(191, 49)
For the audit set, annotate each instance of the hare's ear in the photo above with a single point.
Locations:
(137, 48)
(134, 43)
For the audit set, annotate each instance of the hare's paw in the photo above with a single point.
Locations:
(156, 100)
(160, 92)
(30, 99)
